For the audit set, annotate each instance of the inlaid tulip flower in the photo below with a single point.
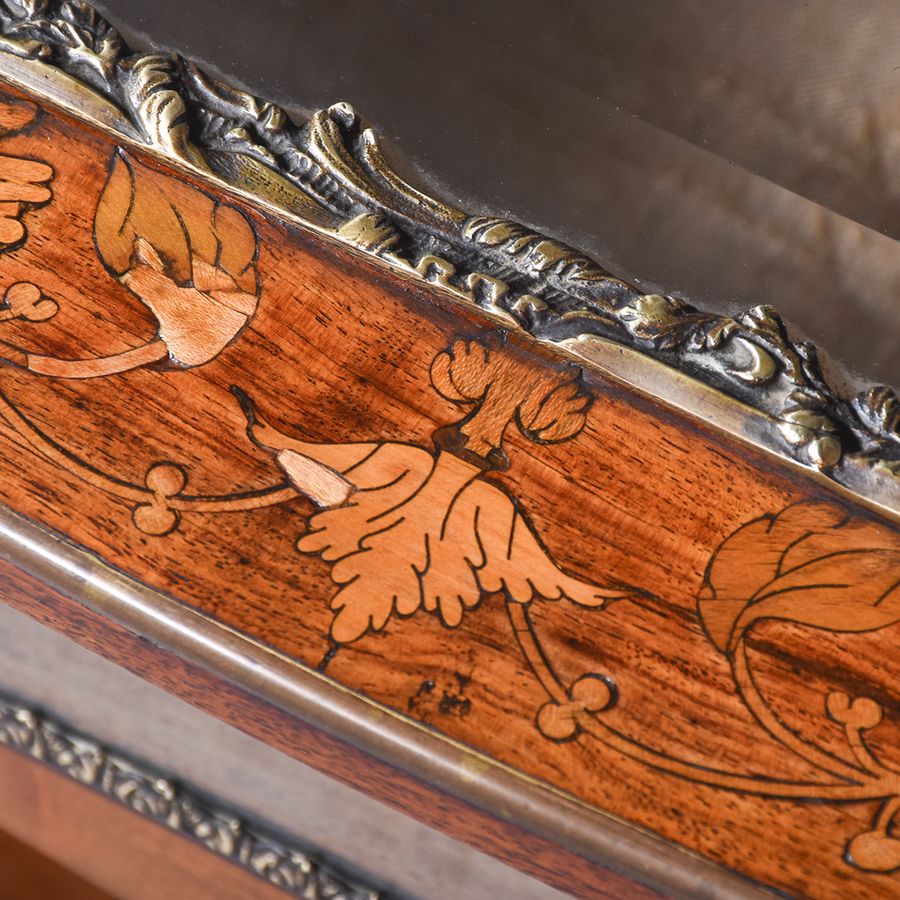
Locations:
(406, 528)
(190, 259)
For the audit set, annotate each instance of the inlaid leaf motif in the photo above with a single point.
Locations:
(189, 258)
(407, 528)
(419, 532)
(23, 182)
(555, 416)
(810, 564)
(16, 116)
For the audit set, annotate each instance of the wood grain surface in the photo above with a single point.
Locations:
(447, 518)
(26, 874)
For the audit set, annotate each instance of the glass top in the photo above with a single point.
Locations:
(729, 153)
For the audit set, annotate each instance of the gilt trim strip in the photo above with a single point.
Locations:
(172, 805)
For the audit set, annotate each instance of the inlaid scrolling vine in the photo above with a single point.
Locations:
(410, 527)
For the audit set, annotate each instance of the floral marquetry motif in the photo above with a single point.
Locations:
(24, 183)
(189, 258)
(408, 528)
(811, 564)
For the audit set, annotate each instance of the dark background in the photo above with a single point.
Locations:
(730, 153)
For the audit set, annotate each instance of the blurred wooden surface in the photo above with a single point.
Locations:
(116, 852)
(26, 874)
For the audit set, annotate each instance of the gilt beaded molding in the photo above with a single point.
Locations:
(330, 171)
(155, 797)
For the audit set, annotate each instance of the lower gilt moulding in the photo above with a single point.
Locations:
(172, 806)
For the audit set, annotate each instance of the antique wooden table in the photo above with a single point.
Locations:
(353, 531)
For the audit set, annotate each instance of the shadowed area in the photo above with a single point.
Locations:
(733, 154)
